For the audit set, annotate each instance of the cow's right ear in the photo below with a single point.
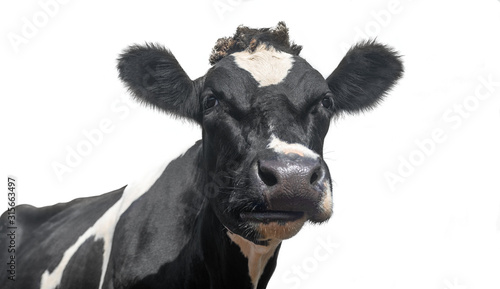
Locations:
(154, 76)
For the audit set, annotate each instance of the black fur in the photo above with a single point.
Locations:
(367, 72)
(176, 234)
(44, 234)
(154, 76)
(361, 80)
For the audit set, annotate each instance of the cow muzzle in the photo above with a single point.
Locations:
(295, 189)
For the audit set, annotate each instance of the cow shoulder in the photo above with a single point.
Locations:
(157, 227)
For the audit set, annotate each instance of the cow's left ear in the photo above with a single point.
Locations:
(154, 76)
(364, 75)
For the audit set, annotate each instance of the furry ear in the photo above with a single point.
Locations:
(154, 76)
(363, 77)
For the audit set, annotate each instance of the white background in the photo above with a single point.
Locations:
(435, 225)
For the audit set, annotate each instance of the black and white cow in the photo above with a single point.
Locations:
(214, 217)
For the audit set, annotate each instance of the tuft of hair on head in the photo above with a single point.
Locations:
(249, 39)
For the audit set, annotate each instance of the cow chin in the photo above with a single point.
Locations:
(261, 233)
(278, 230)
(286, 230)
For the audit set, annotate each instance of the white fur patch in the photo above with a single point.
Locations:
(257, 255)
(283, 147)
(267, 65)
(327, 207)
(103, 228)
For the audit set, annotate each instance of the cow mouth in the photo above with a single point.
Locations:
(271, 216)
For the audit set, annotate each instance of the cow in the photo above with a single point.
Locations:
(216, 216)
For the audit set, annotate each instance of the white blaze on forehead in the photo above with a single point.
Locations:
(257, 255)
(282, 147)
(267, 65)
(103, 228)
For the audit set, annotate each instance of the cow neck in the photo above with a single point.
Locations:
(229, 260)
(229, 264)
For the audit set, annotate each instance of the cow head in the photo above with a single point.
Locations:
(264, 113)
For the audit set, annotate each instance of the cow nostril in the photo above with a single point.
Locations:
(315, 176)
(267, 177)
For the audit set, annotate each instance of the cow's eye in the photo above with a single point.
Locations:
(211, 101)
(327, 102)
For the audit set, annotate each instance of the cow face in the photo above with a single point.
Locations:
(265, 116)
(265, 113)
